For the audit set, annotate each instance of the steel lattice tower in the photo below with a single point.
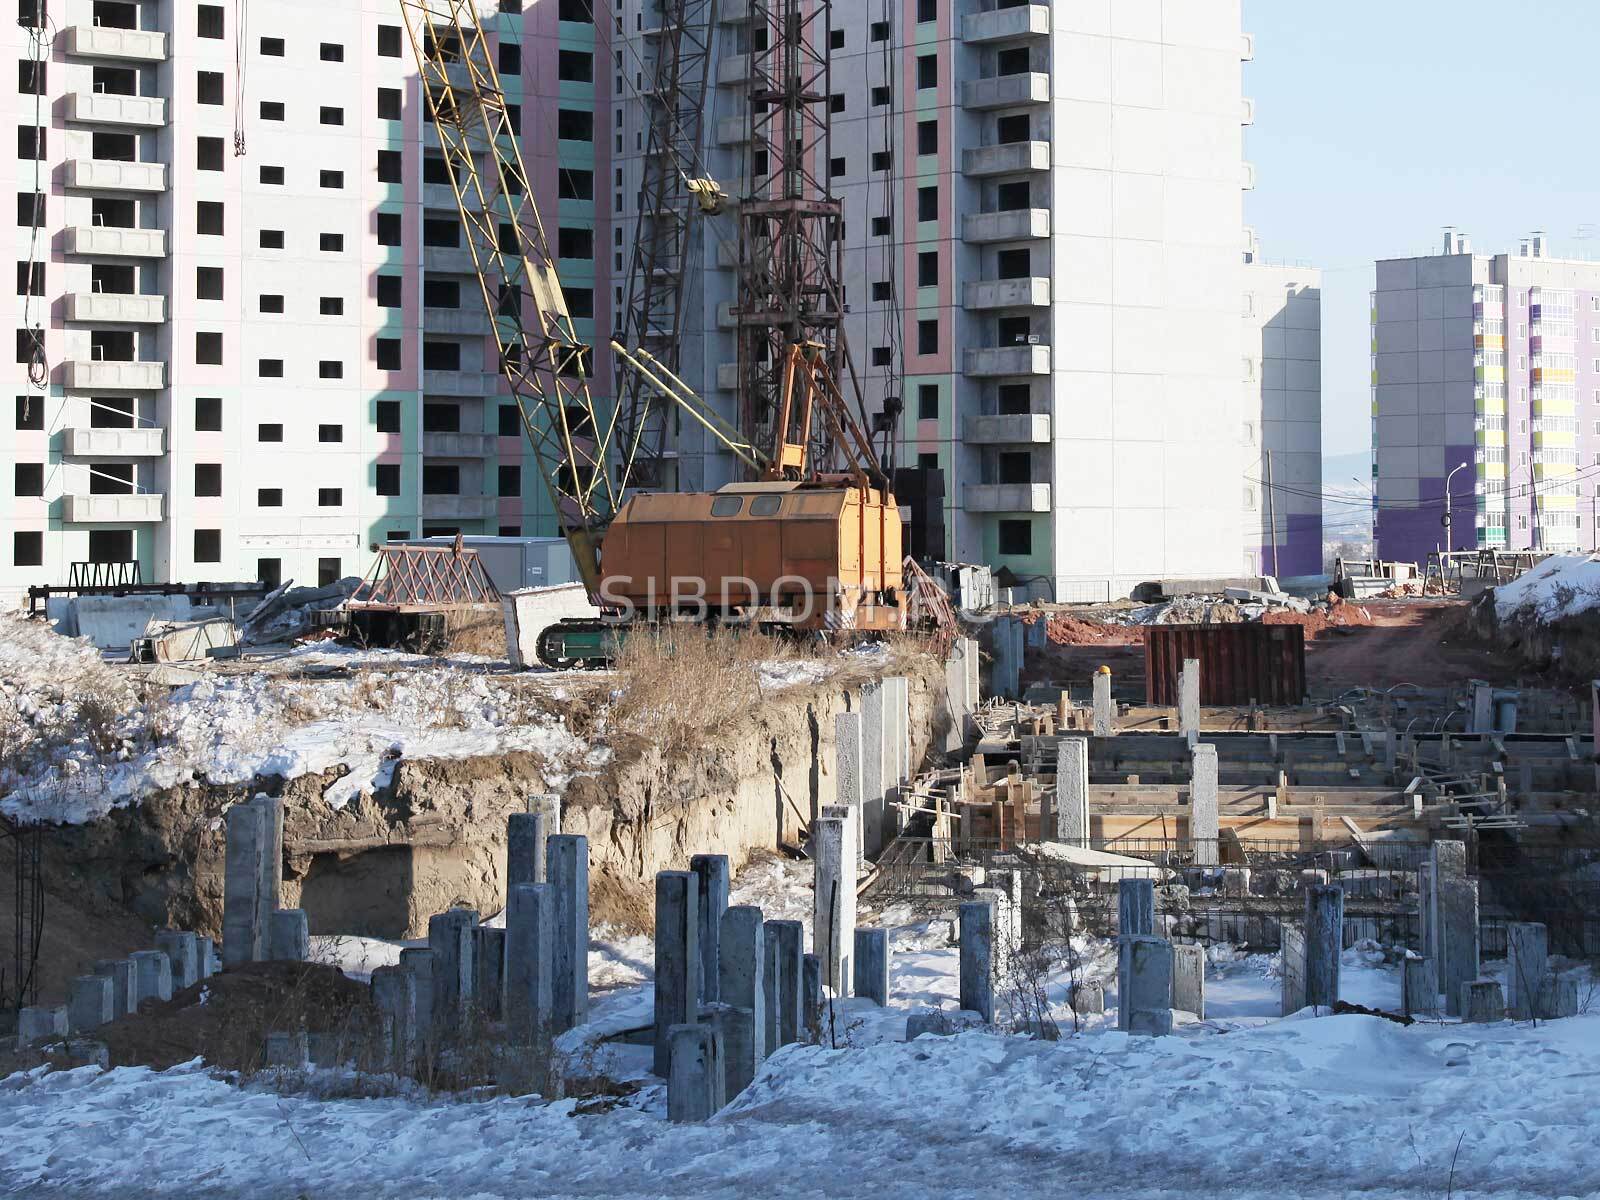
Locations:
(790, 243)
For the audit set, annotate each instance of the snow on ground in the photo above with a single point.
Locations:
(1563, 585)
(1323, 1107)
(100, 738)
(1240, 1105)
(96, 742)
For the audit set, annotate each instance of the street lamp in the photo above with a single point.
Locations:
(1447, 479)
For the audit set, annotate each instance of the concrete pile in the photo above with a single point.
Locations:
(732, 987)
(528, 981)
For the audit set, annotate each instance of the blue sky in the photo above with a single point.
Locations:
(1377, 124)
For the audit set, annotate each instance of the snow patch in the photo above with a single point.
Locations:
(1563, 585)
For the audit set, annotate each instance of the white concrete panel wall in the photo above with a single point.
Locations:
(1146, 249)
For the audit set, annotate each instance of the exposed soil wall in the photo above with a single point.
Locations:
(383, 864)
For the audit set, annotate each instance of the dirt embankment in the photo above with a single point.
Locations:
(384, 863)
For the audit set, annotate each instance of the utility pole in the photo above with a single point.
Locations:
(1272, 516)
(1448, 546)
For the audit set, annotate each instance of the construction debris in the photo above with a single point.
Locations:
(290, 612)
(184, 641)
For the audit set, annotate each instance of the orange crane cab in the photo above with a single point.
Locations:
(792, 554)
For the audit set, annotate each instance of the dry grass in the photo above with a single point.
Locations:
(681, 682)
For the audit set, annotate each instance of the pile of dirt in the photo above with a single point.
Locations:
(1319, 620)
(225, 1019)
(1064, 630)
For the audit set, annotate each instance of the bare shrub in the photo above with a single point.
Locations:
(99, 716)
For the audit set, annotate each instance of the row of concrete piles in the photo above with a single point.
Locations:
(1066, 816)
(254, 929)
(530, 978)
(732, 987)
(872, 755)
(1155, 976)
(1447, 976)
(118, 986)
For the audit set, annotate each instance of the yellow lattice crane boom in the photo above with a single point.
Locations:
(541, 355)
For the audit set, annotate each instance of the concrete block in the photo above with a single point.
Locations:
(1151, 1022)
(897, 712)
(450, 939)
(1558, 997)
(1088, 999)
(1419, 987)
(489, 965)
(287, 1050)
(1324, 932)
(935, 1024)
(243, 918)
(569, 872)
(289, 936)
(833, 918)
(1449, 859)
(327, 1050)
(1292, 958)
(1481, 1002)
(1144, 984)
(527, 835)
(1136, 907)
(977, 920)
(1527, 965)
(849, 771)
(530, 962)
(120, 972)
(1456, 933)
(1236, 881)
(210, 957)
(152, 976)
(872, 965)
(874, 772)
(1005, 674)
(37, 1022)
(1105, 709)
(89, 1003)
(741, 1033)
(955, 691)
(1189, 979)
(1203, 813)
(696, 1075)
(742, 970)
(271, 808)
(394, 995)
(1071, 811)
(811, 996)
(677, 959)
(712, 880)
(1427, 913)
(771, 1001)
(785, 941)
(181, 947)
(1189, 699)
(421, 966)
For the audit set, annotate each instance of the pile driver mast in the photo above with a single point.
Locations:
(790, 225)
